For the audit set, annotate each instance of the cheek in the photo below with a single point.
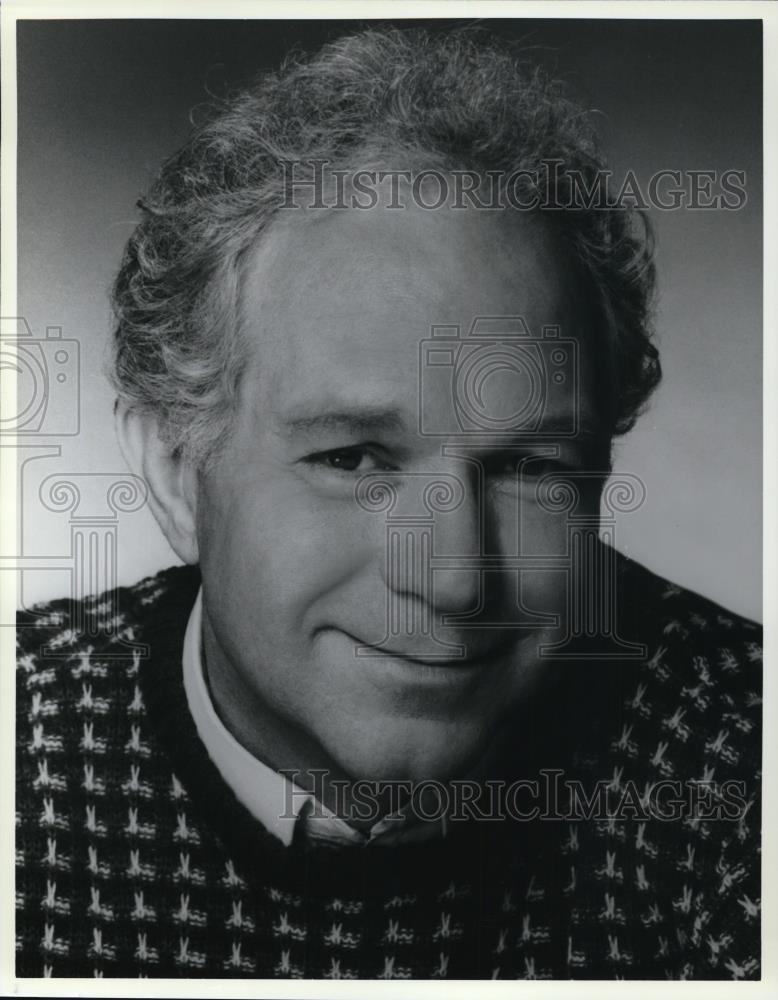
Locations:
(522, 527)
(276, 555)
(529, 531)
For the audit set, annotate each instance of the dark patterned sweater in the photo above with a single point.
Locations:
(134, 858)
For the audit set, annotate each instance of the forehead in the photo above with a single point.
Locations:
(339, 301)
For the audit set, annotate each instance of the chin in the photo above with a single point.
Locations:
(419, 750)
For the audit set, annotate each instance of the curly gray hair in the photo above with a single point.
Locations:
(456, 99)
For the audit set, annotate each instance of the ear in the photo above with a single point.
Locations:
(171, 480)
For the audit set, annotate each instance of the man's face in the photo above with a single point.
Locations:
(298, 575)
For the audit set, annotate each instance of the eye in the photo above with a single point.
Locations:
(509, 464)
(358, 458)
(540, 467)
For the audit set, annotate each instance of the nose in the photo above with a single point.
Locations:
(456, 541)
(429, 555)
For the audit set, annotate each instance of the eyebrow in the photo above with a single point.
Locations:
(356, 420)
(585, 428)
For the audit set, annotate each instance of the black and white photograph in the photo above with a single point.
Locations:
(383, 498)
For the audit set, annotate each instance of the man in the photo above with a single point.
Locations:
(401, 714)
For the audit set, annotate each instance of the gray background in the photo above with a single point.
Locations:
(102, 102)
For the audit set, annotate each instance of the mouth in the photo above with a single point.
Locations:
(442, 661)
(439, 661)
(450, 681)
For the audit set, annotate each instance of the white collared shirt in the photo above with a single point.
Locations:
(273, 799)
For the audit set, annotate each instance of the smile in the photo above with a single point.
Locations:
(441, 667)
(440, 661)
